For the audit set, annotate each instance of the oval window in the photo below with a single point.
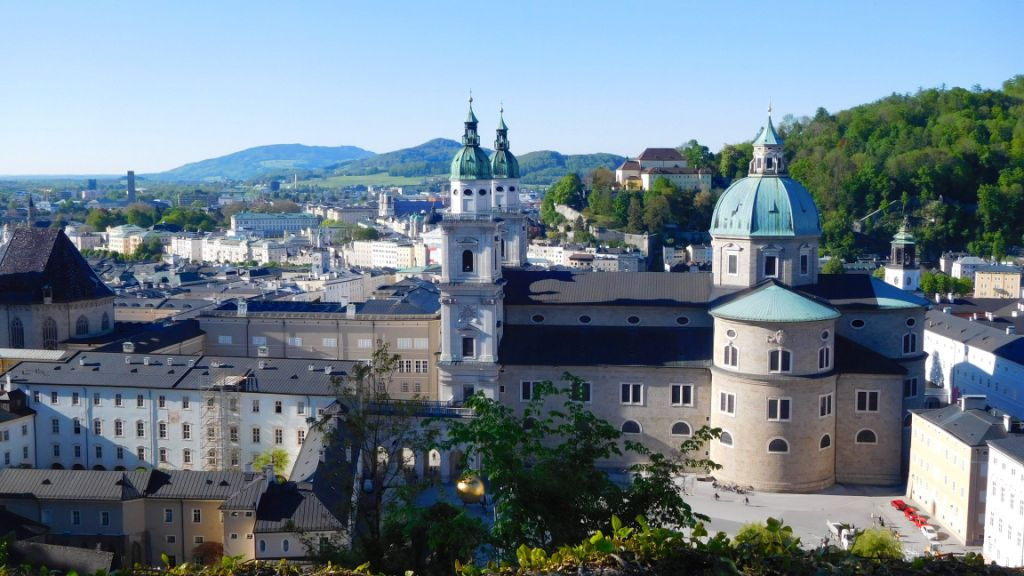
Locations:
(858, 323)
(730, 333)
(500, 189)
(824, 334)
(455, 192)
(537, 318)
(911, 322)
(584, 319)
(511, 188)
(682, 320)
(633, 319)
(483, 192)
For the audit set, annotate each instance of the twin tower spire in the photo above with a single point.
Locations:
(471, 162)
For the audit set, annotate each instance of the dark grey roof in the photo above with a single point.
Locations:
(38, 257)
(248, 496)
(278, 376)
(978, 335)
(860, 291)
(605, 345)
(197, 485)
(407, 207)
(73, 484)
(1012, 446)
(852, 358)
(61, 558)
(151, 337)
(660, 154)
(608, 288)
(292, 507)
(22, 527)
(972, 427)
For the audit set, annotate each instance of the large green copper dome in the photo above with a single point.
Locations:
(504, 164)
(761, 205)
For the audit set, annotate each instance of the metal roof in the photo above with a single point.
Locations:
(972, 427)
(773, 302)
(768, 135)
(977, 335)
(526, 287)
(861, 291)
(545, 345)
(765, 205)
(198, 485)
(35, 258)
(1012, 446)
(291, 507)
(73, 484)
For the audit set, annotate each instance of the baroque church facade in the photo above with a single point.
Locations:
(809, 376)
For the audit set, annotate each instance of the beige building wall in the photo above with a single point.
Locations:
(187, 533)
(859, 462)
(947, 480)
(997, 284)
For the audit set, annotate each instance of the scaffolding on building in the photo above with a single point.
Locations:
(221, 419)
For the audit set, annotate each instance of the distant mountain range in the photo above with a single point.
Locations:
(432, 158)
(265, 162)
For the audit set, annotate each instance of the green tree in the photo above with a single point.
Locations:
(141, 215)
(150, 249)
(877, 543)
(276, 457)
(568, 191)
(365, 233)
(657, 214)
(100, 219)
(833, 266)
(635, 216)
(697, 155)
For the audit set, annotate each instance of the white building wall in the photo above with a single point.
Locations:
(1004, 514)
(17, 443)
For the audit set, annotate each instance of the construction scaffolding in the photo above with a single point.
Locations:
(221, 419)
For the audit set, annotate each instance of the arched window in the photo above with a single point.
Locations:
(866, 436)
(285, 545)
(778, 446)
(824, 358)
(263, 545)
(467, 260)
(731, 356)
(630, 427)
(17, 333)
(82, 326)
(105, 322)
(681, 429)
(825, 442)
(50, 334)
(725, 438)
(909, 343)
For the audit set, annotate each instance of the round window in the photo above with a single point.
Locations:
(584, 319)
(824, 335)
(500, 189)
(730, 333)
(682, 320)
(858, 323)
(468, 192)
(633, 319)
(455, 192)
(537, 318)
(911, 322)
(511, 188)
(483, 192)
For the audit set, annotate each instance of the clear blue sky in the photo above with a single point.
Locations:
(103, 87)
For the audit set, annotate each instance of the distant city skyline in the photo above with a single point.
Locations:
(106, 87)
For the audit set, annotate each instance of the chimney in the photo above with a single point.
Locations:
(947, 309)
(1011, 330)
(145, 360)
(972, 402)
(990, 316)
(1008, 423)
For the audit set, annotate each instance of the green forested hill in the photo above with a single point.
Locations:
(951, 159)
(546, 167)
(264, 161)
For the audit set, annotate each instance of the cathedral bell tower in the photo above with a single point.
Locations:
(505, 198)
(471, 283)
(902, 270)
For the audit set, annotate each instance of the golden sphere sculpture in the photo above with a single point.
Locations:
(470, 489)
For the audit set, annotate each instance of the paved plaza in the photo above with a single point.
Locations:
(807, 514)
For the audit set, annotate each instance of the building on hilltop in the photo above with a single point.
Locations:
(641, 172)
(809, 376)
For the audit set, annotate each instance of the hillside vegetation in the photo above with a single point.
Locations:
(264, 161)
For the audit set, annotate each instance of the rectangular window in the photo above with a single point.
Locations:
(55, 425)
(771, 266)
(104, 518)
(119, 453)
(278, 436)
(255, 435)
(78, 450)
(35, 397)
(365, 343)
(255, 406)
(420, 343)
(96, 399)
(909, 343)
(300, 408)
(56, 450)
(329, 342)
(76, 426)
(733, 265)
(259, 340)
(162, 430)
(186, 431)
(233, 433)
(186, 403)
(632, 394)
(804, 264)
(197, 539)
(197, 515)
(731, 356)
(405, 366)
(526, 391)
(682, 394)
(161, 401)
(422, 366)
(779, 361)
(75, 399)
(170, 539)
(118, 428)
(140, 401)
(404, 343)
(99, 451)
(140, 452)
(300, 436)
(468, 347)
(910, 388)
(223, 339)
(867, 400)
(778, 409)
(163, 455)
(295, 341)
(186, 456)
(581, 391)
(825, 405)
(140, 429)
(76, 517)
(278, 407)
(118, 400)
(727, 403)
(53, 398)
